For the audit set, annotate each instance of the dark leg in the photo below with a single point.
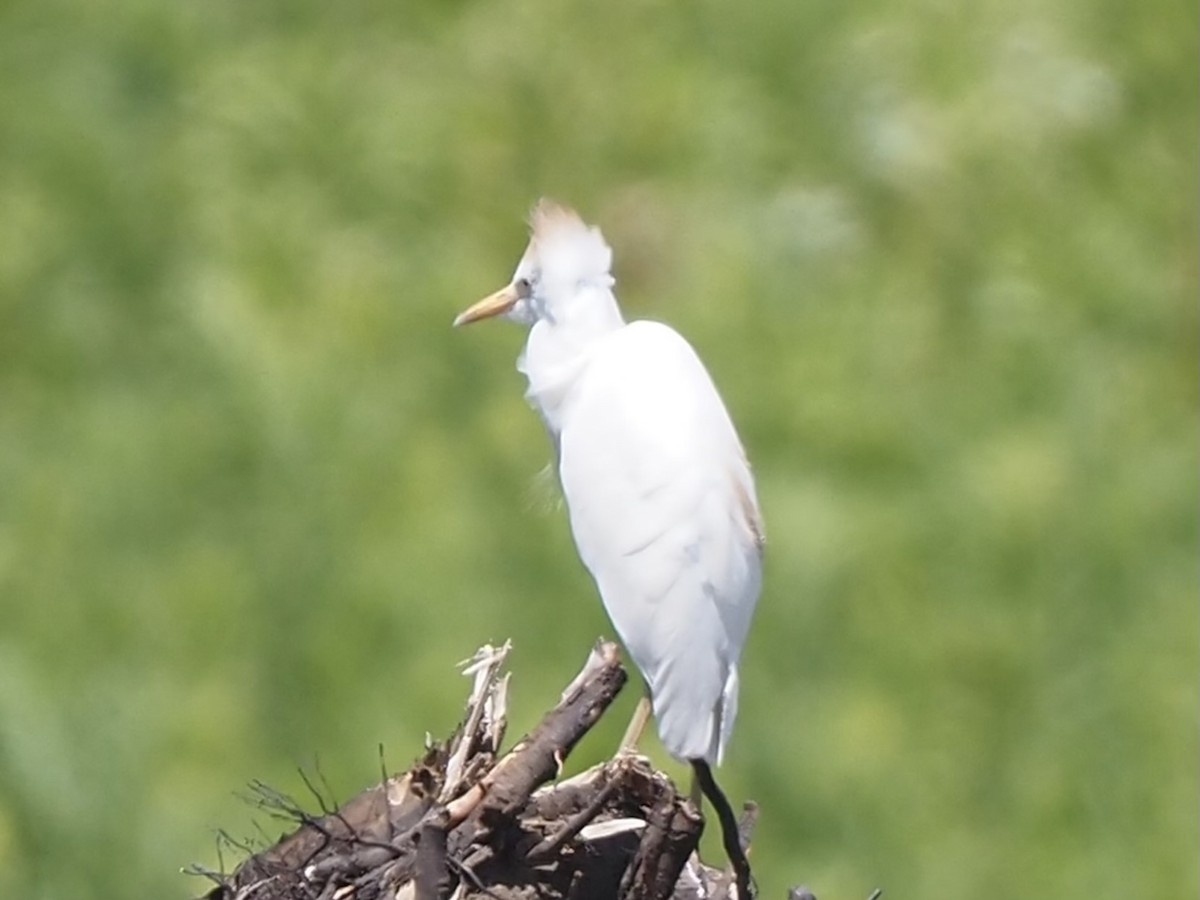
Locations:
(729, 828)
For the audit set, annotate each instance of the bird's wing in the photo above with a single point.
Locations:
(664, 514)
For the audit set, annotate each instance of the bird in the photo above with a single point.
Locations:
(659, 494)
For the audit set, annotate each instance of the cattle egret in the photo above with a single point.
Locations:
(660, 497)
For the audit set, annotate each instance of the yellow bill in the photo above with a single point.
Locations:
(492, 305)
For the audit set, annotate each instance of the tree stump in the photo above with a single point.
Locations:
(466, 822)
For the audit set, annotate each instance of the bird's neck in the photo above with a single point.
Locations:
(557, 349)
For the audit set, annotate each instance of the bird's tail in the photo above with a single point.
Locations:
(726, 712)
(690, 724)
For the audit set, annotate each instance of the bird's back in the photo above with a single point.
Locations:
(663, 510)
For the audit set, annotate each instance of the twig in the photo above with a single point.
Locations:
(217, 878)
(383, 775)
(484, 666)
(574, 825)
(326, 809)
(463, 870)
(746, 825)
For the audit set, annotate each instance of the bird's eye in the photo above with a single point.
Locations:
(524, 288)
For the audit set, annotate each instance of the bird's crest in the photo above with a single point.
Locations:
(562, 240)
(549, 218)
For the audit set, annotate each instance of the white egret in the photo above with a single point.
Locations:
(660, 497)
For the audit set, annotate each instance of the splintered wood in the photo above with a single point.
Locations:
(466, 822)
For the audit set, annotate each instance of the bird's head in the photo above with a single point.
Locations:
(565, 258)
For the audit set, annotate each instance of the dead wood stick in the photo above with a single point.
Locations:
(672, 833)
(746, 823)
(539, 756)
(433, 881)
(485, 667)
(574, 825)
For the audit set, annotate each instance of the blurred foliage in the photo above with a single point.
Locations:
(259, 498)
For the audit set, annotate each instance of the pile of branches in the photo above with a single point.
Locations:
(466, 822)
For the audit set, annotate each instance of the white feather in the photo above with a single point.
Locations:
(652, 470)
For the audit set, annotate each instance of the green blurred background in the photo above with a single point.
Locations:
(258, 497)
